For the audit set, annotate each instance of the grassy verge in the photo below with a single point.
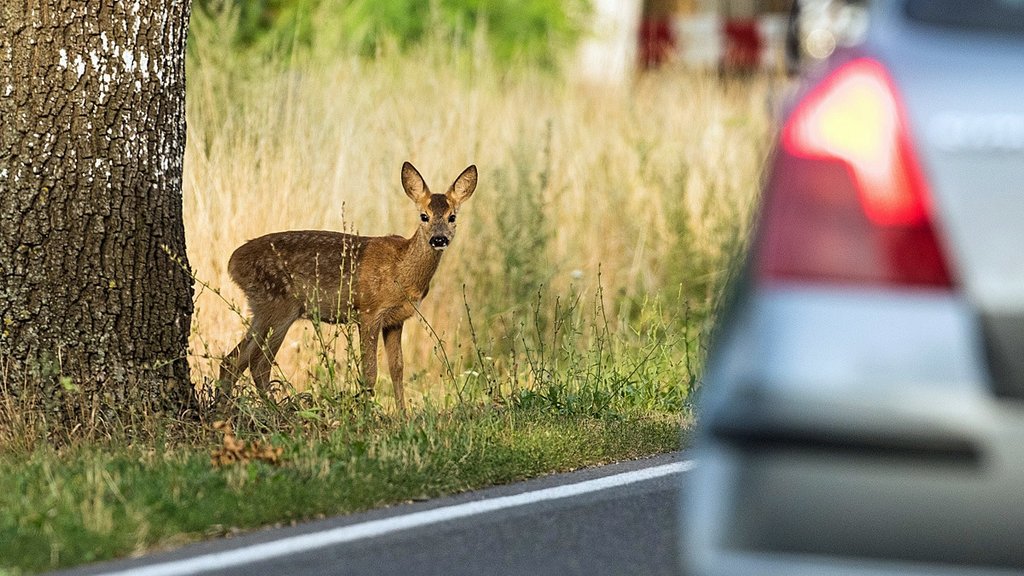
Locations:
(87, 503)
(559, 398)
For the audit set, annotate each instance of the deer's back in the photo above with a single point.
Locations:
(294, 263)
(334, 274)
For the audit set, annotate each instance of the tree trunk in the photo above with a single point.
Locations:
(95, 292)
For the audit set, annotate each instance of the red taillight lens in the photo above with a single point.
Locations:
(846, 200)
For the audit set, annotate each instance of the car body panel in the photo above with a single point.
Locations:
(863, 341)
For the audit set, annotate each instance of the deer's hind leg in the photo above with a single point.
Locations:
(231, 367)
(237, 361)
(267, 336)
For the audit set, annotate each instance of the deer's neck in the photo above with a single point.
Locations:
(419, 262)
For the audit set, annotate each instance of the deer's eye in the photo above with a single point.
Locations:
(451, 218)
(424, 217)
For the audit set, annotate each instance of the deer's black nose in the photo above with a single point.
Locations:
(439, 241)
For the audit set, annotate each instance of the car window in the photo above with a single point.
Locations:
(999, 16)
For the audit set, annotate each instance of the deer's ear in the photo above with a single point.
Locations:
(412, 182)
(463, 187)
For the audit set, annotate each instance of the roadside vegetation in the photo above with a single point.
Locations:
(566, 325)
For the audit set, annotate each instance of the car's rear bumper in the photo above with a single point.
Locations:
(940, 492)
(854, 432)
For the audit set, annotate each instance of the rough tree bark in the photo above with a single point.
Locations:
(94, 290)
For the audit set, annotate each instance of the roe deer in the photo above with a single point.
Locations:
(339, 278)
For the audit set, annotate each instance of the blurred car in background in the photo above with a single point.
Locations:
(862, 410)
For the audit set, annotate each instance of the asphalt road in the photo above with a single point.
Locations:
(618, 519)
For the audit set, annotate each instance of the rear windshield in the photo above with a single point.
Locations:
(999, 16)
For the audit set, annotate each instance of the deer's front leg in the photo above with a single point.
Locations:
(368, 333)
(393, 345)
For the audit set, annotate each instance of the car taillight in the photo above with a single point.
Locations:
(846, 200)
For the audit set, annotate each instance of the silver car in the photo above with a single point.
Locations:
(863, 407)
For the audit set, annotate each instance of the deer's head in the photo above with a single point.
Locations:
(438, 211)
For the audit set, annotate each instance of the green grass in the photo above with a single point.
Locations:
(535, 31)
(93, 502)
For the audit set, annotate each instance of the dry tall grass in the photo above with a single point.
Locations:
(649, 185)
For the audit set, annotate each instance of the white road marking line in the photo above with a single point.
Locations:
(306, 542)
